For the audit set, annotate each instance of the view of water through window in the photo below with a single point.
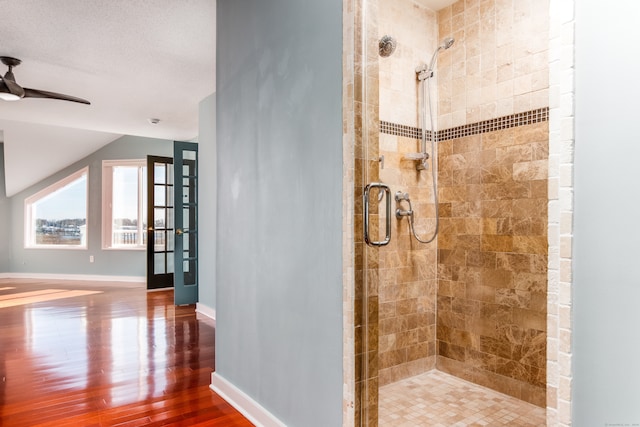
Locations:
(60, 217)
(129, 206)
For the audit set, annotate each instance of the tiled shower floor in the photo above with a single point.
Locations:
(436, 399)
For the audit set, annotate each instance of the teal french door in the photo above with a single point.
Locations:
(185, 190)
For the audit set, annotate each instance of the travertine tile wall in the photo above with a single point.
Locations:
(415, 30)
(493, 244)
(492, 260)
(499, 63)
(561, 148)
(407, 268)
(407, 272)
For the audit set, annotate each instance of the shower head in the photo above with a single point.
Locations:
(386, 46)
(444, 45)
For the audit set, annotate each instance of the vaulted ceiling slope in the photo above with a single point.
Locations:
(133, 59)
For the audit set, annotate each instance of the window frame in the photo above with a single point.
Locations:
(107, 204)
(29, 230)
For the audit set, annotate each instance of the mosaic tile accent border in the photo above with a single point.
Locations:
(499, 123)
(402, 130)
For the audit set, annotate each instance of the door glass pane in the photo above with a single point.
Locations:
(159, 195)
(190, 275)
(159, 240)
(170, 195)
(170, 266)
(159, 173)
(185, 241)
(189, 190)
(170, 173)
(186, 193)
(160, 219)
(185, 266)
(189, 155)
(170, 219)
(185, 219)
(159, 263)
(170, 240)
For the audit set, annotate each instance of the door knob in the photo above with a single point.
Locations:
(178, 231)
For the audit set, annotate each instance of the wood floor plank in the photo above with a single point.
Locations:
(106, 354)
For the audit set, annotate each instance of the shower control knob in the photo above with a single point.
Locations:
(400, 196)
(401, 212)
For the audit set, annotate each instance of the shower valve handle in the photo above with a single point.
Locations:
(400, 196)
(400, 213)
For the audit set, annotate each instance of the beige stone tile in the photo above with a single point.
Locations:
(530, 244)
(527, 171)
(438, 399)
(497, 243)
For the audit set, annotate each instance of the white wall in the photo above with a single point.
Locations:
(607, 213)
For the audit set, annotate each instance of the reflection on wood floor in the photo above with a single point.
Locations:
(74, 353)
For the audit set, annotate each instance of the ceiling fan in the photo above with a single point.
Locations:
(12, 91)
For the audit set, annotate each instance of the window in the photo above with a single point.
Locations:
(124, 204)
(56, 217)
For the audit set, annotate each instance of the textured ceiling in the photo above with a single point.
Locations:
(132, 59)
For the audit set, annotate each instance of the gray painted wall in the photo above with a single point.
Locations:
(207, 194)
(5, 219)
(607, 210)
(107, 262)
(279, 244)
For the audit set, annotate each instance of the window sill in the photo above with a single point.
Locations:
(123, 248)
(58, 247)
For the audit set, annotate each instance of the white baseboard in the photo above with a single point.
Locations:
(205, 310)
(83, 277)
(248, 407)
(168, 288)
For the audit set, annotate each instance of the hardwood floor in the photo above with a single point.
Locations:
(102, 354)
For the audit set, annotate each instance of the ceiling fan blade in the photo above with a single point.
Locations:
(35, 93)
(13, 87)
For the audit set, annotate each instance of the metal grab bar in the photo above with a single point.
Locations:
(387, 193)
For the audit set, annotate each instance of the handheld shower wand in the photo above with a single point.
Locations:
(425, 72)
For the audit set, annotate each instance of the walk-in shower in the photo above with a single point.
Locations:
(462, 128)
